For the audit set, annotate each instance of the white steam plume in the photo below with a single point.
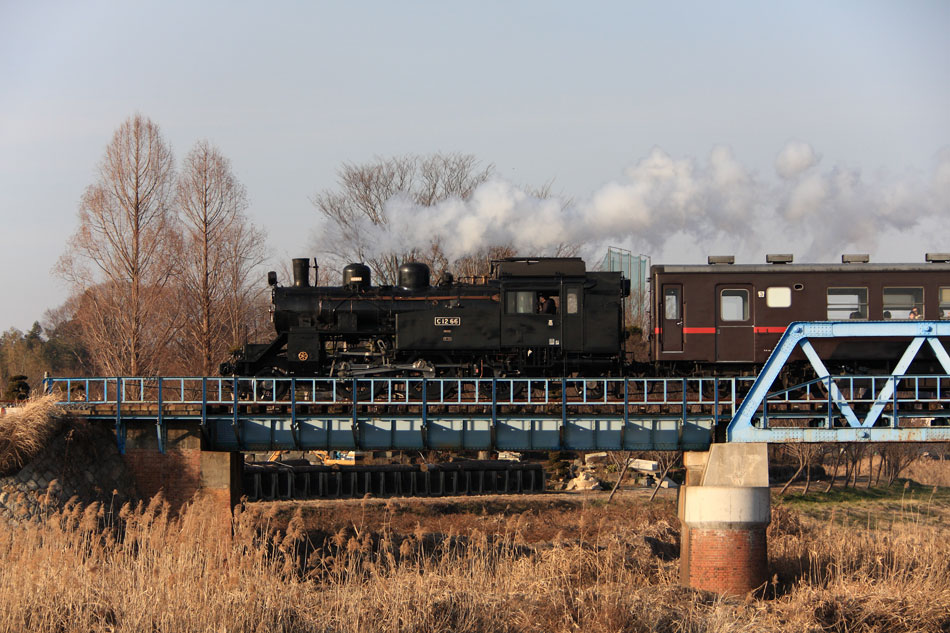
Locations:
(680, 210)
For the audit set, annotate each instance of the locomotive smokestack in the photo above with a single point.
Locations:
(301, 272)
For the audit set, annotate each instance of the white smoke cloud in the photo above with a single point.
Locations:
(680, 210)
(795, 158)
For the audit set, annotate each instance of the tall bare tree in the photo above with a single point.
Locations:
(361, 197)
(123, 254)
(806, 454)
(244, 300)
(896, 457)
(221, 250)
(478, 264)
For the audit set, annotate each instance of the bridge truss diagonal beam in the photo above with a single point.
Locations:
(750, 422)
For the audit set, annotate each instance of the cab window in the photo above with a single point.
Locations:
(572, 301)
(521, 302)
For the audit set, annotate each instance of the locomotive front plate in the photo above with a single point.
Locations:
(442, 321)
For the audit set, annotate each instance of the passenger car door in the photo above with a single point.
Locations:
(671, 321)
(735, 331)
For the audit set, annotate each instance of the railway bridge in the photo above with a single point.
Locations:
(185, 434)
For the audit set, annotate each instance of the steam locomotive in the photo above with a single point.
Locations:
(553, 317)
(530, 317)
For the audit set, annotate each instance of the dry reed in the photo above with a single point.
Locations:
(929, 472)
(71, 572)
(25, 430)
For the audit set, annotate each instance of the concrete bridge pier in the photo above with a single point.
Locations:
(725, 509)
(185, 471)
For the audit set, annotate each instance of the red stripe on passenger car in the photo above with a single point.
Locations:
(711, 330)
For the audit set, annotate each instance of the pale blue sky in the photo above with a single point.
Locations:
(574, 92)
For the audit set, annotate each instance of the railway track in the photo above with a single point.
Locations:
(299, 479)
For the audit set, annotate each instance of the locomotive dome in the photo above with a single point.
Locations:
(356, 276)
(413, 276)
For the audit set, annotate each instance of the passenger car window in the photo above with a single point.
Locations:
(898, 303)
(671, 303)
(521, 302)
(847, 303)
(943, 299)
(778, 297)
(734, 305)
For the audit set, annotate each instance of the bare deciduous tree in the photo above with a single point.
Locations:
(806, 454)
(362, 194)
(123, 254)
(245, 301)
(897, 457)
(220, 250)
(476, 265)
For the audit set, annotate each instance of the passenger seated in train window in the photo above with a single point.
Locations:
(913, 314)
(547, 305)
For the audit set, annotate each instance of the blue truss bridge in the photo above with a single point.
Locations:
(521, 414)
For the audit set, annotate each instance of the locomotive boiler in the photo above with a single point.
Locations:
(541, 316)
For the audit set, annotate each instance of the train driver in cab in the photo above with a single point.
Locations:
(547, 305)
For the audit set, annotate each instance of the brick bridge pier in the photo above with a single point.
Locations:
(185, 470)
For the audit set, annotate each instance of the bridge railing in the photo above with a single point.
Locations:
(417, 413)
(718, 393)
(578, 413)
(865, 401)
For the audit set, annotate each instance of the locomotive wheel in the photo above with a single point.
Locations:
(278, 390)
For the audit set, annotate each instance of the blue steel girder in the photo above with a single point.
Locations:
(468, 432)
(743, 427)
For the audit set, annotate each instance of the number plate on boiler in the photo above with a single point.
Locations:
(444, 321)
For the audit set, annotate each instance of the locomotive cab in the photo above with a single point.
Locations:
(558, 315)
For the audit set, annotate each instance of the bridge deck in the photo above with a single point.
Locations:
(506, 414)
(417, 413)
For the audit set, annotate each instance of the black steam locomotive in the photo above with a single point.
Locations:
(530, 317)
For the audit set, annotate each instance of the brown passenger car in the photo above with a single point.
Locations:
(735, 314)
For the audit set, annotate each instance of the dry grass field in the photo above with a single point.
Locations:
(930, 472)
(545, 563)
(851, 560)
